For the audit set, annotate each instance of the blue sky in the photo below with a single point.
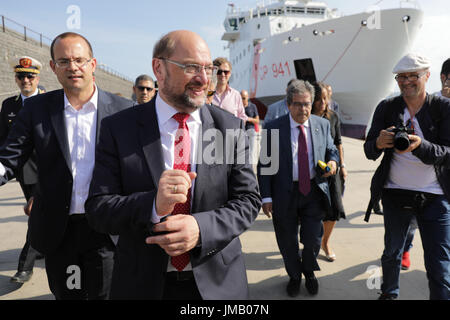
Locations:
(123, 32)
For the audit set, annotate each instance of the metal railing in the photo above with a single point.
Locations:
(31, 35)
(25, 31)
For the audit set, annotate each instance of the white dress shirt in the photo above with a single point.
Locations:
(168, 127)
(81, 128)
(295, 131)
(25, 97)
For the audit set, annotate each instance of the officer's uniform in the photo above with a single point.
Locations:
(27, 176)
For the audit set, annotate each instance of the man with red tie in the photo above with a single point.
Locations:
(178, 215)
(298, 193)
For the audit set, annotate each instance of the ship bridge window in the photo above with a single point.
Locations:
(233, 24)
(315, 10)
(295, 9)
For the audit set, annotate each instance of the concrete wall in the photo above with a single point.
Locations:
(12, 45)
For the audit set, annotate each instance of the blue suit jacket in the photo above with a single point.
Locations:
(279, 185)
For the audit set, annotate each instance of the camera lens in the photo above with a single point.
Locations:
(401, 141)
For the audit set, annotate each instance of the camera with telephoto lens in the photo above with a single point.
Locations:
(401, 140)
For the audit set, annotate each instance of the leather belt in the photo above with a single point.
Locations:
(179, 275)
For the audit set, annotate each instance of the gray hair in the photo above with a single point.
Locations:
(299, 87)
(165, 46)
(143, 77)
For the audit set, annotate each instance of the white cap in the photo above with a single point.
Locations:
(411, 62)
(26, 64)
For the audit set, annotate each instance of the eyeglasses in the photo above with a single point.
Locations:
(141, 88)
(211, 93)
(301, 104)
(411, 78)
(220, 71)
(28, 76)
(194, 69)
(79, 62)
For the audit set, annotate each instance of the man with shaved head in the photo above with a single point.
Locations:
(178, 215)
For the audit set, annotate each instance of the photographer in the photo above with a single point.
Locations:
(416, 180)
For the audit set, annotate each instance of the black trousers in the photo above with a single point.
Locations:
(180, 289)
(81, 268)
(306, 212)
(28, 254)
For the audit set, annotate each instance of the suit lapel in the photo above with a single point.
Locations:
(314, 138)
(103, 110)
(150, 139)
(285, 145)
(56, 104)
(202, 169)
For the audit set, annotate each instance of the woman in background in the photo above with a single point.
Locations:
(336, 182)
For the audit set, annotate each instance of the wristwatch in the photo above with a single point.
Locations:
(342, 165)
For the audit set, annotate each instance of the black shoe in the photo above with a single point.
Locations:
(387, 296)
(22, 276)
(311, 283)
(293, 287)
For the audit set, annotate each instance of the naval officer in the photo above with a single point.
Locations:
(27, 72)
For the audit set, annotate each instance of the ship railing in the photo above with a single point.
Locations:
(413, 3)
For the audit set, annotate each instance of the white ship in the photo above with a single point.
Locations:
(280, 40)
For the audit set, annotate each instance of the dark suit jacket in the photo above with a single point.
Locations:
(40, 126)
(434, 149)
(279, 185)
(10, 108)
(129, 163)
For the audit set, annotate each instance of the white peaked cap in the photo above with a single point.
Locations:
(411, 62)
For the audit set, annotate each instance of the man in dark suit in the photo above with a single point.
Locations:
(61, 126)
(154, 171)
(298, 192)
(27, 70)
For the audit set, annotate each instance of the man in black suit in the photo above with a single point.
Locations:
(61, 126)
(27, 70)
(298, 193)
(152, 171)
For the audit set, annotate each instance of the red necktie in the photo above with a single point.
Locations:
(304, 181)
(182, 150)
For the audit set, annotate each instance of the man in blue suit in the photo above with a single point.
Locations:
(298, 193)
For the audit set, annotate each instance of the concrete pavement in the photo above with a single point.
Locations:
(355, 275)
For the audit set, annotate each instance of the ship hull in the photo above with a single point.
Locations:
(355, 60)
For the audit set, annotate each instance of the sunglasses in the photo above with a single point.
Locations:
(23, 76)
(145, 88)
(211, 93)
(226, 72)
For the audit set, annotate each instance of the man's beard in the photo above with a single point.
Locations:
(183, 100)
